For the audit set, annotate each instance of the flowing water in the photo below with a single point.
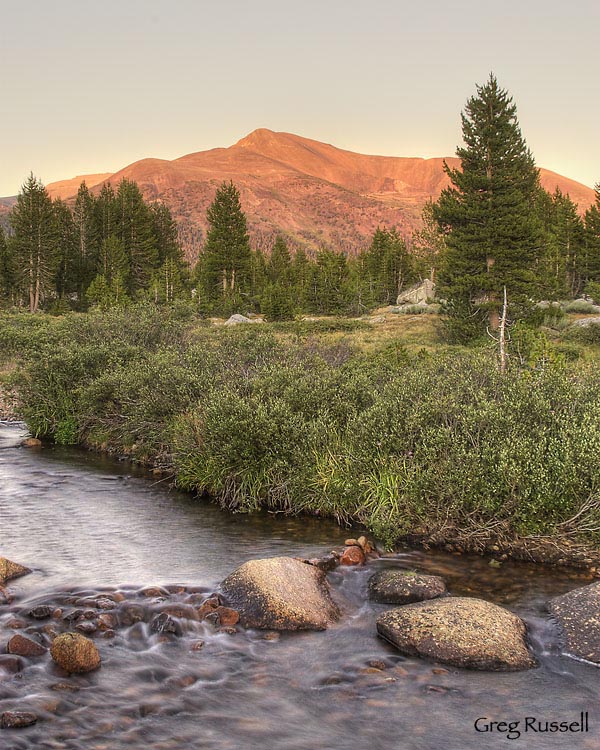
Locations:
(87, 525)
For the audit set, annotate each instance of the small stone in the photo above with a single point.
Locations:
(154, 592)
(5, 596)
(9, 569)
(75, 653)
(352, 556)
(392, 586)
(207, 608)
(439, 670)
(64, 686)
(105, 603)
(11, 664)
(164, 623)
(41, 612)
(87, 627)
(229, 630)
(16, 624)
(351, 543)
(377, 664)
(17, 719)
(227, 616)
(107, 621)
(31, 442)
(197, 646)
(22, 646)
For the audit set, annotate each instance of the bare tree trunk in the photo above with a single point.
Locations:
(502, 339)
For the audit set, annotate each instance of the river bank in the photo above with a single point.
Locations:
(438, 447)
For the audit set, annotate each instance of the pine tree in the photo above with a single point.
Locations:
(8, 270)
(300, 277)
(34, 242)
(492, 235)
(84, 214)
(66, 259)
(135, 230)
(225, 263)
(592, 239)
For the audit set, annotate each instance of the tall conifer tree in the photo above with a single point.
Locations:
(492, 235)
(34, 242)
(225, 263)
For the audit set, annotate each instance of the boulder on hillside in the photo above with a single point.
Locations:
(280, 593)
(236, 319)
(9, 569)
(586, 322)
(393, 586)
(462, 632)
(416, 294)
(578, 615)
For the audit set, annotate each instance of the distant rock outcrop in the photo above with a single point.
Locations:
(417, 294)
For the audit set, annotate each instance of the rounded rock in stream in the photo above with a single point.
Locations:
(280, 593)
(578, 615)
(463, 632)
(22, 646)
(75, 653)
(393, 586)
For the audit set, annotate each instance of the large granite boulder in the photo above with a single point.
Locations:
(578, 615)
(280, 593)
(393, 586)
(460, 631)
(9, 569)
(417, 294)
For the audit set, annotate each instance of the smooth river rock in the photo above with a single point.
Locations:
(75, 653)
(578, 615)
(393, 586)
(280, 593)
(460, 631)
(10, 569)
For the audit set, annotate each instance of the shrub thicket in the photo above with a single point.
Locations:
(440, 443)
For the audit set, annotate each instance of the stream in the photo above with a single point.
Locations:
(87, 524)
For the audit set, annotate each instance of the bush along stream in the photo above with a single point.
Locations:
(439, 448)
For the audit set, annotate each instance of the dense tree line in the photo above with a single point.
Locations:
(102, 250)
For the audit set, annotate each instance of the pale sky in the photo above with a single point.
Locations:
(92, 86)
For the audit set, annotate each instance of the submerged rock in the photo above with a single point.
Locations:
(463, 632)
(280, 593)
(31, 442)
(17, 719)
(22, 646)
(404, 587)
(10, 569)
(75, 653)
(578, 615)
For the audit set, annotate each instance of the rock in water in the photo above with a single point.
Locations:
(280, 593)
(463, 632)
(75, 653)
(404, 587)
(17, 719)
(22, 646)
(578, 615)
(9, 569)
